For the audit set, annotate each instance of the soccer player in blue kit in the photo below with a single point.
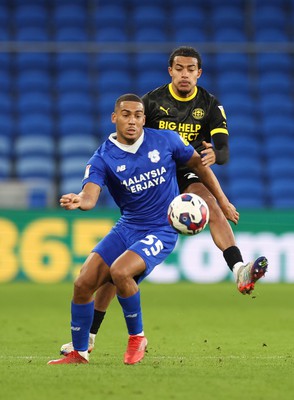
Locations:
(138, 165)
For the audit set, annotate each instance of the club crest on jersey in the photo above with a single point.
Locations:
(154, 156)
(198, 113)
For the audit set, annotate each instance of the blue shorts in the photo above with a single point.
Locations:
(152, 245)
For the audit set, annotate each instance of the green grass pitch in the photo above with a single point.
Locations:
(206, 342)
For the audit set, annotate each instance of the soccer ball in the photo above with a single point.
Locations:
(188, 214)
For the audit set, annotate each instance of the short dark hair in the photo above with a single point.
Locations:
(128, 97)
(185, 51)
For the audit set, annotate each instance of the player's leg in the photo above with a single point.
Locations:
(245, 274)
(94, 273)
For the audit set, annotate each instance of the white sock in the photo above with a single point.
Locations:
(84, 354)
(236, 268)
(92, 338)
(140, 334)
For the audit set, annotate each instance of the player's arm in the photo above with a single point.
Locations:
(85, 200)
(219, 154)
(210, 181)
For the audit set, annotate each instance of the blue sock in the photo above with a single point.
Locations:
(132, 312)
(81, 320)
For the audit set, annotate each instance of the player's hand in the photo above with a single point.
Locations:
(70, 201)
(208, 157)
(230, 212)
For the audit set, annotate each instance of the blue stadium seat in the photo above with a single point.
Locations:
(75, 124)
(34, 145)
(112, 61)
(232, 16)
(275, 123)
(105, 127)
(70, 15)
(71, 34)
(274, 82)
(77, 61)
(247, 192)
(5, 61)
(149, 15)
(232, 62)
(230, 82)
(4, 15)
(150, 34)
(281, 166)
(187, 15)
(6, 105)
(241, 146)
(5, 167)
(35, 167)
(243, 124)
(111, 15)
(111, 34)
(31, 15)
(151, 61)
(105, 103)
(6, 125)
(5, 81)
(29, 102)
(281, 191)
(73, 166)
(72, 184)
(35, 124)
(82, 146)
(4, 34)
(280, 103)
(32, 34)
(120, 81)
(229, 35)
(268, 35)
(269, 62)
(39, 61)
(234, 103)
(188, 35)
(73, 81)
(245, 165)
(213, 4)
(74, 102)
(280, 145)
(270, 16)
(149, 80)
(5, 145)
(32, 79)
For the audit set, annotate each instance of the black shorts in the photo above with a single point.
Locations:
(185, 177)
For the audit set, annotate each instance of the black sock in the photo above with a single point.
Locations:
(97, 320)
(232, 255)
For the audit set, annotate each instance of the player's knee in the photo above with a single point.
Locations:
(82, 288)
(117, 274)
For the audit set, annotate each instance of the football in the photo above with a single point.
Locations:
(188, 214)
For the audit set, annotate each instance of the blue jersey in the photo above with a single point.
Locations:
(141, 177)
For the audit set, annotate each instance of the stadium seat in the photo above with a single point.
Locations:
(280, 103)
(5, 35)
(229, 35)
(243, 124)
(4, 15)
(5, 81)
(269, 62)
(33, 79)
(35, 167)
(111, 15)
(281, 166)
(247, 192)
(30, 15)
(5, 145)
(75, 124)
(270, 35)
(242, 145)
(71, 34)
(234, 103)
(187, 15)
(6, 106)
(213, 4)
(5, 61)
(32, 34)
(112, 61)
(38, 61)
(274, 82)
(34, 145)
(73, 80)
(69, 15)
(232, 62)
(282, 144)
(270, 16)
(150, 34)
(29, 102)
(71, 167)
(72, 184)
(149, 16)
(120, 81)
(82, 146)
(111, 34)
(35, 124)
(230, 82)
(188, 35)
(277, 124)
(281, 192)
(151, 61)
(232, 16)
(149, 80)
(245, 165)
(76, 61)
(6, 125)
(74, 102)
(105, 103)
(5, 167)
